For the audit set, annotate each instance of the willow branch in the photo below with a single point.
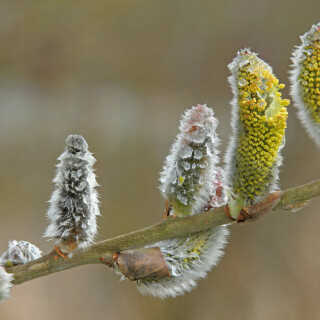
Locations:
(102, 252)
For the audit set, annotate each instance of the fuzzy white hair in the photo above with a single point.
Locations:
(5, 284)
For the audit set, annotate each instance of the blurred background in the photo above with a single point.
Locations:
(120, 73)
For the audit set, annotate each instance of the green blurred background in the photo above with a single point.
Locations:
(120, 73)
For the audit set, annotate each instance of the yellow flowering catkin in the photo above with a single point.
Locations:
(259, 120)
(305, 81)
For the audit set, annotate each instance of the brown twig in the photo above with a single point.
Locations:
(103, 252)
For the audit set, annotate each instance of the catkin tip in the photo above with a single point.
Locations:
(76, 143)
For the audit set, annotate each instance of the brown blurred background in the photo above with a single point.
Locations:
(120, 73)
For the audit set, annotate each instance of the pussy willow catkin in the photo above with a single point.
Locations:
(74, 202)
(259, 117)
(305, 82)
(191, 181)
(186, 179)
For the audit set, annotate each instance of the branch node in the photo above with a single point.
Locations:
(60, 253)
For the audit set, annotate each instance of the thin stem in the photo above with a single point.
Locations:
(102, 252)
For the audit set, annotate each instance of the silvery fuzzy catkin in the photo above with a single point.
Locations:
(20, 252)
(189, 259)
(305, 82)
(191, 182)
(188, 170)
(258, 121)
(74, 202)
(5, 284)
